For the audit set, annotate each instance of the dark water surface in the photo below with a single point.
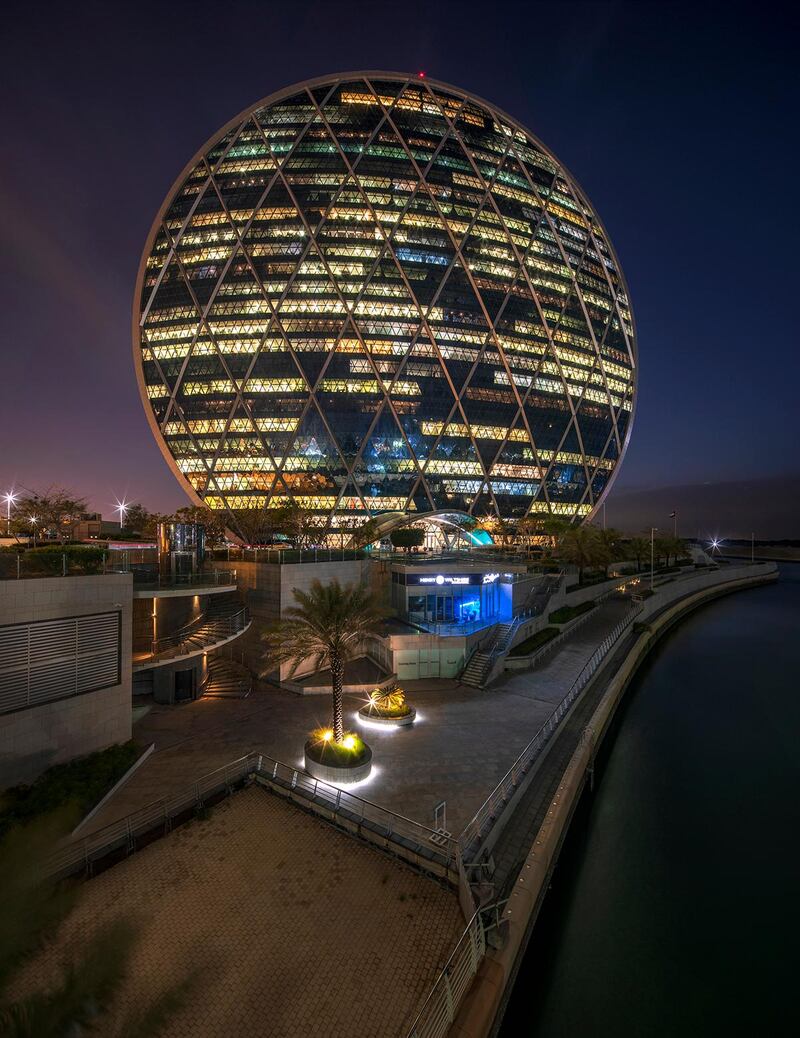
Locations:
(675, 908)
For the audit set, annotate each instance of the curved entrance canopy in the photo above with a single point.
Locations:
(452, 524)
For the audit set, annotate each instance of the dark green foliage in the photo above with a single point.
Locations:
(408, 538)
(79, 782)
(567, 613)
(49, 559)
(336, 755)
(29, 906)
(536, 641)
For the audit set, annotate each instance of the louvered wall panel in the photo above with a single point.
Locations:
(55, 659)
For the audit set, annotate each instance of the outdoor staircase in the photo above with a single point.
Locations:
(475, 671)
(224, 620)
(481, 664)
(227, 679)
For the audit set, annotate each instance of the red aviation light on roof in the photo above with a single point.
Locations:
(421, 75)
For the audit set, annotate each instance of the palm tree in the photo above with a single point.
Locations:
(583, 547)
(611, 541)
(328, 624)
(639, 547)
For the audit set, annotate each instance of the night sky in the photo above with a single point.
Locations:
(678, 120)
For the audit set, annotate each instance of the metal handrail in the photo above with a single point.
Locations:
(475, 829)
(399, 829)
(224, 625)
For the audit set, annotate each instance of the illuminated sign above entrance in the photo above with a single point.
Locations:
(450, 579)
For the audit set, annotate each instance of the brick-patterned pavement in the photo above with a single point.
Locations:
(464, 742)
(297, 929)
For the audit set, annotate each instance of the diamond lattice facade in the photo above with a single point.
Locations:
(378, 293)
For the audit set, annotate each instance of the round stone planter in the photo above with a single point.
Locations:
(337, 774)
(387, 722)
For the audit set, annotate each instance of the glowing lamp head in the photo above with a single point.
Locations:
(327, 735)
(349, 742)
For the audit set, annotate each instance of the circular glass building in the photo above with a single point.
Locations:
(376, 293)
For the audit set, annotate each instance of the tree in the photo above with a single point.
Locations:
(300, 524)
(611, 540)
(639, 547)
(529, 528)
(52, 511)
(554, 527)
(676, 547)
(583, 547)
(212, 522)
(661, 549)
(498, 528)
(137, 520)
(407, 538)
(327, 625)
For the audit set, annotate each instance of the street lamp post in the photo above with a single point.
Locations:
(33, 520)
(652, 554)
(10, 499)
(122, 508)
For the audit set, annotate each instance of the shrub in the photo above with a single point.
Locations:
(83, 782)
(536, 641)
(567, 613)
(48, 558)
(336, 754)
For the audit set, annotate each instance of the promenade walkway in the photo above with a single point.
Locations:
(464, 742)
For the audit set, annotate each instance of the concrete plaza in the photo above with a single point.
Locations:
(462, 744)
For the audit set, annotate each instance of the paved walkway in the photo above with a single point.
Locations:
(291, 928)
(462, 744)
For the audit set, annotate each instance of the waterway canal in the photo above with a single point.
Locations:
(675, 908)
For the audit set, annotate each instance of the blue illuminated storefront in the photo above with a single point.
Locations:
(426, 597)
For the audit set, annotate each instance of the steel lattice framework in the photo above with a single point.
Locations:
(373, 293)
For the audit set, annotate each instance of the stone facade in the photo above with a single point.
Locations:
(37, 737)
(267, 590)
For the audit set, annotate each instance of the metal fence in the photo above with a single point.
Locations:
(155, 819)
(441, 1006)
(431, 851)
(478, 828)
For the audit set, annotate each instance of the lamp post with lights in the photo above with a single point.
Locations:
(33, 520)
(653, 530)
(10, 499)
(122, 508)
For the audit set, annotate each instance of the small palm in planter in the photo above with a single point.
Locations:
(328, 625)
(388, 707)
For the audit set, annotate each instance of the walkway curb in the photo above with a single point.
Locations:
(117, 786)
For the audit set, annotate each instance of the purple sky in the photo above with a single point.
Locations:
(678, 120)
